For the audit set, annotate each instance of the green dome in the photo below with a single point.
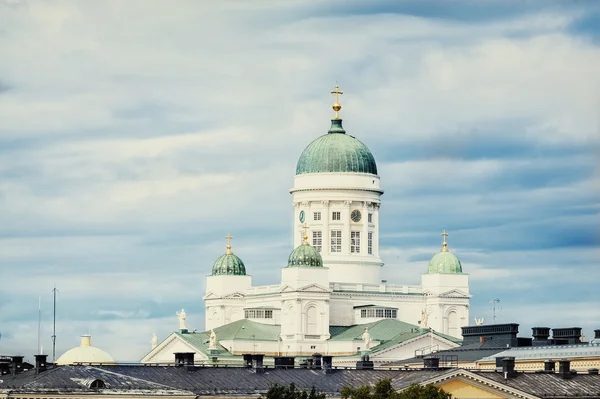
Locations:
(444, 262)
(229, 264)
(305, 255)
(336, 152)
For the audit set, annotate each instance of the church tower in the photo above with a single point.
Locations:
(337, 194)
(446, 291)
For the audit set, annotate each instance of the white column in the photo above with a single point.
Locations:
(346, 229)
(376, 229)
(326, 235)
(364, 239)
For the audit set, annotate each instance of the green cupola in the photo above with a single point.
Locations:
(228, 263)
(305, 255)
(336, 151)
(444, 262)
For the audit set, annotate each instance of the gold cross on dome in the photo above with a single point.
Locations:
(336, 105)
(228, 237)
(445, 244)
(305, 228)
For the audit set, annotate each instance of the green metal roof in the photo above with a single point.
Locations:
(248, 330)
(381, 330)
(336, 152)
(444, 262)
(305, 255)
(229, 264)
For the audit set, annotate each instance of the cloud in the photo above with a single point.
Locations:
(135, 136)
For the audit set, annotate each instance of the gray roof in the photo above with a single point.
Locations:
(549, 352)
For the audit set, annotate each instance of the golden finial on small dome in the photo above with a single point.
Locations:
(336, 105)
(228, 237)
(445, 244)
(305, 227)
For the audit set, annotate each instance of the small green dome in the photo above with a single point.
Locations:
(305, 255)
(229, 264)
(336, 152)
(444, 262)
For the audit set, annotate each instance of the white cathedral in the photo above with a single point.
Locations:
(331, 298)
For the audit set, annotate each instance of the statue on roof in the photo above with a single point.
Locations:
(212, 344)
(154, 340)
(181, 316)
(424, 318)
(366, 337)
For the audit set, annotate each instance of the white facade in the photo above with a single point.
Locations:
(340, 211)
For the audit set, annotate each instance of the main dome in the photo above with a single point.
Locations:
(336, 151)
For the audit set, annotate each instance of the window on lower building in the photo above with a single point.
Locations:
(316, 215)
(336, 241)
(355, 242)
(370, 243)
(336, 215)
(317, 240)
(375, 312)
(258, 314)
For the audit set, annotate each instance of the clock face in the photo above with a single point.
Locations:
(301, 216)
(355, 215)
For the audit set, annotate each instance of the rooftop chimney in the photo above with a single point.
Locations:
(257, 363)
(508, 367)
(247, 360)
(184, 359)
(5, 362)
(596, 334)
(593, 371)
(564, 369)
(431, 362)
(317, 360)
(17, 364)
(327, 363)
(364, 363)
(283, 362)
(40, 363)
(570, 335)
(540, 334)
(549, 365)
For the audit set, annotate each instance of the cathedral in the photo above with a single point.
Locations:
(330, 298)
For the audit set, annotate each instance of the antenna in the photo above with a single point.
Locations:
(494, 302)
(54, 291)
(39, 345)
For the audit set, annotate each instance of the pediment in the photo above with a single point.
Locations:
(164, 352)
(454, 294)
(307, 288)
(235, 295)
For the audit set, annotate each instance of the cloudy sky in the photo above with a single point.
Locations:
(135, 134)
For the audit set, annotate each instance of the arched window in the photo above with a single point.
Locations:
(453, 328)
(311, 320)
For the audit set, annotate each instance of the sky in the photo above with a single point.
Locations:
(134, 135)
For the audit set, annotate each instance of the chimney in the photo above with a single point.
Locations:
(327, 363)
(40, 363)
(431, 362)
(549, 365)
(247, 360)
(257, 363)
(184, 359)
(317, 360)
(364, 363)
(596, 334)
(5, 362)
(508, 367)
(593, 371)
(541, 334)
(570, 335)
(564, 369)
(17, 364)
(284, 362)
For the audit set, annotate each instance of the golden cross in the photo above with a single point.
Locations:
(305, 228)
(228, 237)
(336, 105)
(444, 244)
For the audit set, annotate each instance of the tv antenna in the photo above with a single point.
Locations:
(494, 302)
(54, 291)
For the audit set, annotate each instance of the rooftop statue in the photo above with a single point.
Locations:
(181, 316)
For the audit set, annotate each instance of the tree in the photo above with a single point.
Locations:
(277, 391)
(383, 390)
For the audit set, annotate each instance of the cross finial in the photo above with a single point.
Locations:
(336, 105)
(445, 244)
(305, 228)
(228, 237)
